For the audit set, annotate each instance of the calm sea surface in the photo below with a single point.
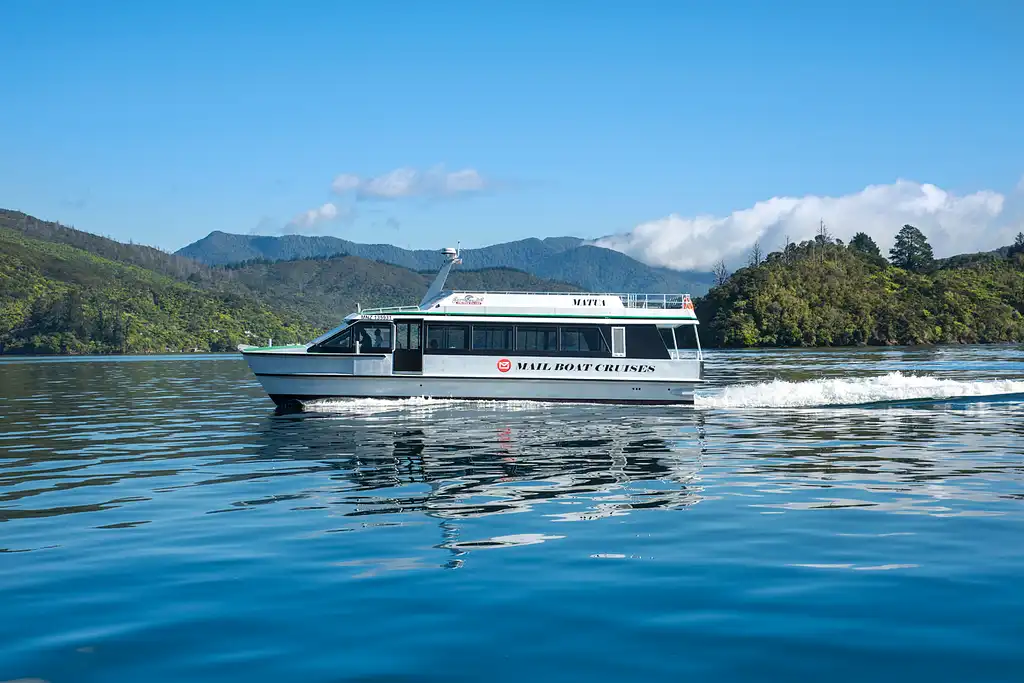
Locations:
(852, 515)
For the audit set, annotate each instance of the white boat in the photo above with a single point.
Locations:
(540, 346)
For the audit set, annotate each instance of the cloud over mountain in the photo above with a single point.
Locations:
(953, 224)
(409, 182)
(321, 214)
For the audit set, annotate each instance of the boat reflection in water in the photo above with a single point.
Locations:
(560, 463)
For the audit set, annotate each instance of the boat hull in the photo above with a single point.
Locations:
(285, 389)
(292, 374)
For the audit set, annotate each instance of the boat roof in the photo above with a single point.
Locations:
(677, 308)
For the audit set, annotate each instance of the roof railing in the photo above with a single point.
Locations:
(388, 309)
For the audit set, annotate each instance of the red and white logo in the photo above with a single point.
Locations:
(504, 365)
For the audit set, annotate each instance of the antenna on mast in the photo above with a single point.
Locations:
(451, 257)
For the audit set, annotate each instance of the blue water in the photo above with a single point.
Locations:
(158, 522)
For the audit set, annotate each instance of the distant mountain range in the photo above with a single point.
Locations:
(566, 259)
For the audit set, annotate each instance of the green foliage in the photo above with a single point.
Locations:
(150, 258)
(72, 292)
(911, 250)
(865, 248)
(1018, 245)
(863, 243)
(55, 298)
(827, 295)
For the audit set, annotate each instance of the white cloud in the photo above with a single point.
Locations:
(466, 180)
(953, 224)
(321, 214)
(346, 182)
(410, 182)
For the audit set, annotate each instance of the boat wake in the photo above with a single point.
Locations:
(892, 389)
(382, 406)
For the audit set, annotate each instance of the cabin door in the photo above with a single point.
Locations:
(409, 346)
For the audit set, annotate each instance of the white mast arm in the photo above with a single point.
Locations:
(451, 257)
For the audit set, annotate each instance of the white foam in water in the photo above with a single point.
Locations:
(840, 391)
(370, 406)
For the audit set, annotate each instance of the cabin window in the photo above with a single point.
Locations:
(447, 337)
(582, 339)
(458, 338)
(373, 337)
(647, 341)
(407, 335)
(537, 339)
(339, 343)
(618, 341)
(492, 338)
(666, 337)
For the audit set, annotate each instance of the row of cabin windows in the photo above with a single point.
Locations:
(630, 341)
(376, 338)
(584, 339)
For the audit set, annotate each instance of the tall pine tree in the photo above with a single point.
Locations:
(1018, 245)
(911, 250)
(863, 243)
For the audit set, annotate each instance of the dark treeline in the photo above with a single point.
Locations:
(824, 293)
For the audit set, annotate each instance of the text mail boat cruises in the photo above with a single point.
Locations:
(542, 346)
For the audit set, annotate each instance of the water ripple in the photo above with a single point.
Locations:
(374, 539)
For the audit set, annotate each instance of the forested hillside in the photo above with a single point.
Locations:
(67, 291)
(55, 298)
(135, 254)
(824, 293)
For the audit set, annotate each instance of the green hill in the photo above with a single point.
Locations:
(55, 298)
(67, 291)
(566, 259)
(825, 294)
(175, 266)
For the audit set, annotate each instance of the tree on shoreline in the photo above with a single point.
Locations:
(912, 251)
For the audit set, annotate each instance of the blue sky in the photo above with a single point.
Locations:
(159, 122)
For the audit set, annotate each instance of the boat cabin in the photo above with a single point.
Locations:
(529, 324)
